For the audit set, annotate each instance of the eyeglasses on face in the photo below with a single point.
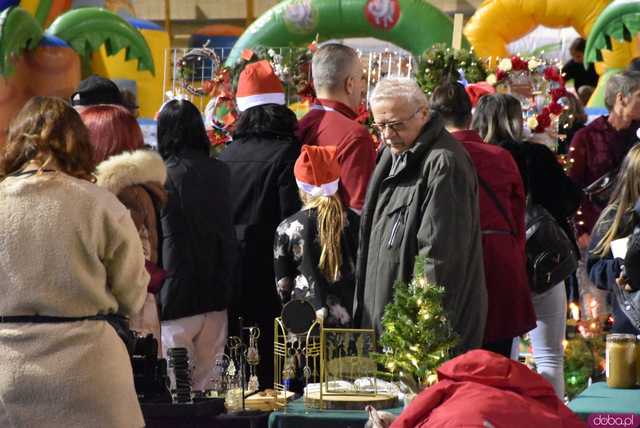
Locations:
(395, 126)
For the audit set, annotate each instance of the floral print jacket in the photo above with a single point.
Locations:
(296, 258)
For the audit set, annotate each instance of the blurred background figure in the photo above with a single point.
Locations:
(574, 68)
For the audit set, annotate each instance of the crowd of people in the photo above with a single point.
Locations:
(98, 228)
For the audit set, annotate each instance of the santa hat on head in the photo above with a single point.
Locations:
(478, 90)
(317, 170)
(258, 85)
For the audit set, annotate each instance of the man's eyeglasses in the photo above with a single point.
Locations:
(381, 128)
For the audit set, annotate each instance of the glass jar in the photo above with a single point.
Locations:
(621, 360)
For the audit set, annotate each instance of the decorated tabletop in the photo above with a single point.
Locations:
(296, 416)
(599, 398)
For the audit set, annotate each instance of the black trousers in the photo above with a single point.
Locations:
(502, 347)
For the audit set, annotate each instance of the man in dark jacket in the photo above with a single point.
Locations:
(422, 200)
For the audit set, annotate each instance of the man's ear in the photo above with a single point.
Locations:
(622, 99)
(348, 85)
(424, 112)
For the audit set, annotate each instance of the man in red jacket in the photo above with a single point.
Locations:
(338, 81)
(502, 203)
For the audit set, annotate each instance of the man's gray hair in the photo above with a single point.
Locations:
(625, 83)
(404, 88)
(331, 66)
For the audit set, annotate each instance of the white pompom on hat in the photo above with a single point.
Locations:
(259, 85)
(317, 170)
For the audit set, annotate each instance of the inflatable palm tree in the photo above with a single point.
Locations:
(34, 61)
(84, 30)
(619, 21)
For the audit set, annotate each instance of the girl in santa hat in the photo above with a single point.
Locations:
(315, 249)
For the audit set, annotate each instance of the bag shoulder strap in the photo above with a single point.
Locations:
(497, 203)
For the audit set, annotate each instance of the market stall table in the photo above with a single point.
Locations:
(200, 415)
(599, 398)
(296, 416)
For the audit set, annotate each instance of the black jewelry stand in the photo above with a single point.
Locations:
(241, 366)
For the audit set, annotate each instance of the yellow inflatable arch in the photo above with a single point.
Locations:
(497, 23)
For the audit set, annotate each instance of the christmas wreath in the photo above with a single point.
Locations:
(543, 81)
(441, 63)
(194, 65)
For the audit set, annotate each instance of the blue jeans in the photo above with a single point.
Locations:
(547, 337)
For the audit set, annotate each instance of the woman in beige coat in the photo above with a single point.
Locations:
(136, 176)
(69, 254)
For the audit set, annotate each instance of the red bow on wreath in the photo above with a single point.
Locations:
(220, 85)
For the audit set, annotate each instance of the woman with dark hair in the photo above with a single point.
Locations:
(198, 245)
(261, 159)
(502, 204)
(498, 120)
(71, 256)
(136, 176)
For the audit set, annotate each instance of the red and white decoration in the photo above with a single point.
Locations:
(259, 85)
(317, 170)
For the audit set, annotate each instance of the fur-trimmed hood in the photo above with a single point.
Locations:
(131, 168)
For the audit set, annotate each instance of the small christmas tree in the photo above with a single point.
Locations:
(417, 336)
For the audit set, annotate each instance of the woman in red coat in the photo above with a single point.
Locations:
(502, 202)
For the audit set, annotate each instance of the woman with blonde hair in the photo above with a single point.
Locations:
(315, 249)
(70, 259)
(617, 221)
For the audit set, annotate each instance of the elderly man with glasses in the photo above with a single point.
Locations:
(422, 200)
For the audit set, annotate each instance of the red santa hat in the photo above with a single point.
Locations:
(258, 85)
(478, 90)
(317, 170)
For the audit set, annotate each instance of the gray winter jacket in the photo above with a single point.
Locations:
(427, 207)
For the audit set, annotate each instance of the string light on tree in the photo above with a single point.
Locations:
(417, 336)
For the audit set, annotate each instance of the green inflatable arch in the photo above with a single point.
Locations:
(414, 25)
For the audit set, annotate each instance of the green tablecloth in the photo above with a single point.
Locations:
(599, 398)
(296, 417)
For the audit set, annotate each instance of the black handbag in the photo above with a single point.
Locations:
(551, 255)
(599, 192)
